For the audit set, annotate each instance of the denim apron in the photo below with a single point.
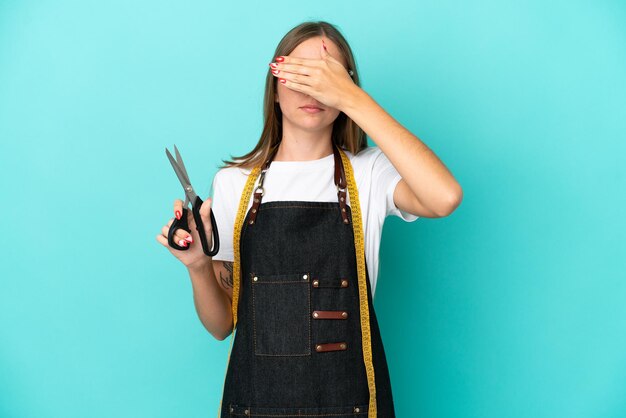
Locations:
(307, 341)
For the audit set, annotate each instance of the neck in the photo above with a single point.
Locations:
(303, 145)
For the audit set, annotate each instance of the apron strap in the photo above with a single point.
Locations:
(340, 182)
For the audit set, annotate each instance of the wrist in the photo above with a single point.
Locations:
(201, 266)
(353, 99)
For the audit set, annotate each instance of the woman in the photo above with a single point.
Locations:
(296, 278)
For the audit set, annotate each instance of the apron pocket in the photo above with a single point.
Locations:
(281, 314)
(359, 410)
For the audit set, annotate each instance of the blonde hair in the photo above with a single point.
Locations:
(346, 134)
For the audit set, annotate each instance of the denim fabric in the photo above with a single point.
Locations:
(274, 369)
(281, 328)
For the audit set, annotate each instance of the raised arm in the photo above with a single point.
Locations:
(427, 187)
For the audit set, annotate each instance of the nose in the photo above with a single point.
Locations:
(316, 102)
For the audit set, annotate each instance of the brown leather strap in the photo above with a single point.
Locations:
(340, 182)
(255, 206)
(330, 282)
(258, 193)
(330, 315)
(331, 347)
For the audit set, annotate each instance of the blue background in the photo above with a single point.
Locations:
(513, 306)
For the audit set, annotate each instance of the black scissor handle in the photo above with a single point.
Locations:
(182, 223)
(200, 228)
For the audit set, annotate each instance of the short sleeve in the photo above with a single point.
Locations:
(224, 217)
(386, 178)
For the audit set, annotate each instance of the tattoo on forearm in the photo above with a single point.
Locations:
(227, 278)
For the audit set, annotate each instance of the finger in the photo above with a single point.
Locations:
(178, 208)
(325, 53)
(181, 237)
(163, 240)
(293, 79)
(312, 62)
(323, 50)
(303, 88)
(205, 214)
(205, 210)
(180, 234)
(281, 68)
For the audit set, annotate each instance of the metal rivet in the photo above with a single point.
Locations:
(232, 409)
(316, 282)
(247, 411)
(255, 278)
(356, 409)
(343, 209)
(344, 283)
(252, 221)
(341, 198)
(256, 200)
(342, 345)
(318, 347)
(253, 210)
(345, 221)
(305, 277)
(344, 314)
(315, 314)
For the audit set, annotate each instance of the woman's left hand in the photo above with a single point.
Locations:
(325, 79)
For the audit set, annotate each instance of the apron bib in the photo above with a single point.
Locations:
(306, 339)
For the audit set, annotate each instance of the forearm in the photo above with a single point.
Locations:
(427, 177)
(212, 304)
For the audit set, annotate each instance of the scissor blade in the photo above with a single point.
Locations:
(181, 164)
(184, 181)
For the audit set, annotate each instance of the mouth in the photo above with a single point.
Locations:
(311, 109)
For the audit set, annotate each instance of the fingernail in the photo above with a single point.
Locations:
(279, 59)
(177, 214)
(182, 243)
(275, 72)
(282, 80)
(189, 238)
(273, 65)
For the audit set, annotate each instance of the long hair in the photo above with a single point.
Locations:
(346, 134)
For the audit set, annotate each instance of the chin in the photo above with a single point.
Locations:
(315, 126)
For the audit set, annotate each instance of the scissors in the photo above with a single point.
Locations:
(196, 202)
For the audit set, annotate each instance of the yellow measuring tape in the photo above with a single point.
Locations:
(360, 258)
(241, 214)
(359, 243)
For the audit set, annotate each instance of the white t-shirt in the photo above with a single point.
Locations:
(313, 180)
